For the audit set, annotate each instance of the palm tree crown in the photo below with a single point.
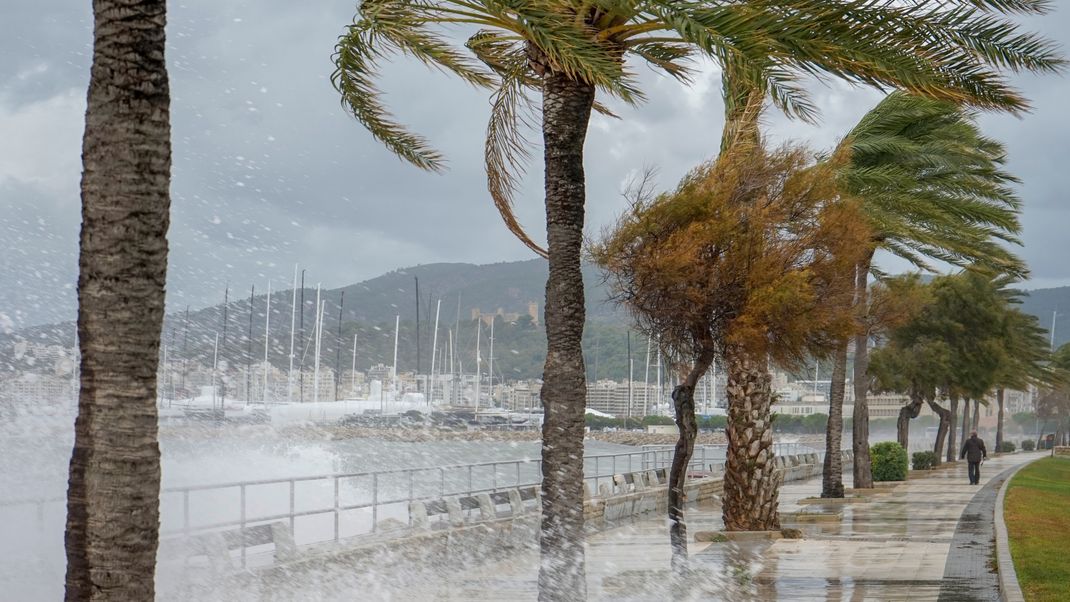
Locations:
(932, 185)
(948, 50)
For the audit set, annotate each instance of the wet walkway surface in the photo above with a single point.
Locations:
(928, 538)
(969, 573)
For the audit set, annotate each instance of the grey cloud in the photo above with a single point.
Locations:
(269, 171)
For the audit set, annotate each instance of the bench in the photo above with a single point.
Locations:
(217, 546)
(456, 511)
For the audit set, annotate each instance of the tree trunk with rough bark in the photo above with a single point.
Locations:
(863, 469)
(683, 397)
(941, 432)
(566, 111)
(906, 414)
(832, 472)
(999, 418)
(113, 491)
(951, 432)
(751, 483)
(976, 421)
(965, 419)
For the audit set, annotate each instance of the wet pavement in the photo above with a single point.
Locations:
(928, 538)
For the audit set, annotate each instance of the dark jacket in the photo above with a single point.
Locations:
(974, 449)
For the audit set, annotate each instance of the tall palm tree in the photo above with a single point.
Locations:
(932, 187)
(1025, 352)
(114, 487)
(746, 258)
(567, 50)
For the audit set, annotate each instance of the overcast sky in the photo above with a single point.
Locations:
(269, 170)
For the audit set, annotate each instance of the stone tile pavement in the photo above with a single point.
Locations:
(894, 543)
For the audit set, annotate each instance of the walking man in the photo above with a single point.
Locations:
(974, 451)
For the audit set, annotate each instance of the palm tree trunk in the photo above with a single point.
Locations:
(941, 432)
(863, 470)
(114, 481)
(965, 419)
(832, 472)
(566, 111)
(976, 414)
(951, 449)
(683, 397)
(751, 483)
(999, 419)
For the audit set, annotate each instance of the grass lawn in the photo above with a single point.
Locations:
(1037, 511)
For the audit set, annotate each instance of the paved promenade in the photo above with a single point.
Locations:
(928, 538)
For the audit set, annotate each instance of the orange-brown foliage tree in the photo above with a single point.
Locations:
(747, 261)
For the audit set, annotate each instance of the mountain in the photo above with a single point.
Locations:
(1043, 302)
(370, 308)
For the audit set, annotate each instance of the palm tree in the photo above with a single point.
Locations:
(932, 187)
(745, 259)
(114, 487)
(567, 50)
(1022, 361)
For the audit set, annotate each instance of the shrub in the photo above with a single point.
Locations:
(889, 461)
(923, 460)
(1007, 447)
(1028, 445)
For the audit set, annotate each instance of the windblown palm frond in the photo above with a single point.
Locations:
(948, 49)
(931, 185)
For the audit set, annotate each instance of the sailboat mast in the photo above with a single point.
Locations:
(453, 381)
(1051, 345)
(479, 360)
(317, 331)
(646, 379)
(301, 387)
(417, 279)
(353, 372)
(293, 323)
(490, 363)
(215, 364)
(434, 350)
(267, 340)
(226, 301)
(657, 387)
(249, 350)
(394, 367)
(631, 370)
(338, 347)
(185, 348)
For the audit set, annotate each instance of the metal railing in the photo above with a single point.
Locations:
(383, 494)
(331, 507)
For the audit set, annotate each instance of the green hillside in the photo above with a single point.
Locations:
(370, 308)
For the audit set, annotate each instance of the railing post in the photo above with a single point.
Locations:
(494, 480)
(441, 482)
(614, 464)
(375, 502)
(518, 474)
(469, 478)
(185, 511)
(412, 476)
(242, 534)
(292, 507)
(336, 508)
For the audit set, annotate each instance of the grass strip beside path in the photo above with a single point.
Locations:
(1037, 512)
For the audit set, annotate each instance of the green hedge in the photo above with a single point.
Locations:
(1029, 445)
(889, 461)
(923, 460)
(1007, 447)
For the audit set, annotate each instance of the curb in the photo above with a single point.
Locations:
(1009, 590)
